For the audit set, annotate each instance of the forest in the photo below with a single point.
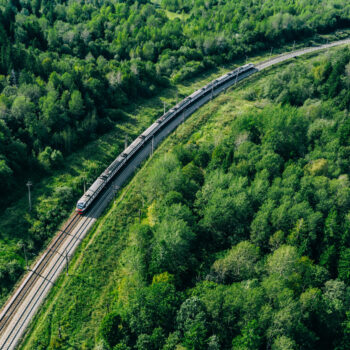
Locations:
(240, 243)
(69, 69)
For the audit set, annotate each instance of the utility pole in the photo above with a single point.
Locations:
(164, 106)
(293, 45)
(115, 190)
(237, 75)
(152, 146)
(271, 52)
(67, 261)
(25, 255)
(84, 181)
(126, 142)
(59, 330)
(29, 183)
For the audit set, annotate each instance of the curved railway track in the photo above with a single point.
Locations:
(22, 306)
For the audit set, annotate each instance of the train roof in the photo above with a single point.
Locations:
(150, 129)
(92, 189)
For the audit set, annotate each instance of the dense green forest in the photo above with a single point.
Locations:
(238, 237)
(68, 70)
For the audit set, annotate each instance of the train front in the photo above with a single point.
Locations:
(81, 206)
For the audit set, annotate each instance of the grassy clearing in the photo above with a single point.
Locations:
(172, 15)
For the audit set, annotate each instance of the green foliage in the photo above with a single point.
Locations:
(243, 240)
(112, 329)
(67, 67)
(50, 158)
(171, 246)
(152, 307)
(76, 104)
(250, 338)
(238, 264)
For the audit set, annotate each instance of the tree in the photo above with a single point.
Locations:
(23, 109)
(192, 321)
(344, 265)
(238, 264)
(151, 307)
(283, 343)
(172, 246)
(192, 172)
(172, 341)
(5, 174)
(195, 336)
(283, 262)
(56, 158)
(76, 104)
(225, 215)
(250, 338)
(192, 309)
(44, 158)
(112, 329)
(50, 158)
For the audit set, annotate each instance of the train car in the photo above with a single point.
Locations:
(183, 103)
(101, 182)
(150, 130)
(196, 94)
(90, 195)
(223, 78)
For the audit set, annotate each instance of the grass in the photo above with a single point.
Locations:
(102, 268)
(172, 15)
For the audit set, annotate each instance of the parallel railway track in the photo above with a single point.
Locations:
(17, 313)
(54, 245)
(43, 275)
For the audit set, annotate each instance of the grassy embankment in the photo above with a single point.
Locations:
(105, 263)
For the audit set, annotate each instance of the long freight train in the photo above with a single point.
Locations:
(186, 104)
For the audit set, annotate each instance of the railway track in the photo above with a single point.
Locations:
(36, 272)
(20, 310)
(17, 313)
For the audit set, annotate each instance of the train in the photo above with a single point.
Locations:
(116, 166)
